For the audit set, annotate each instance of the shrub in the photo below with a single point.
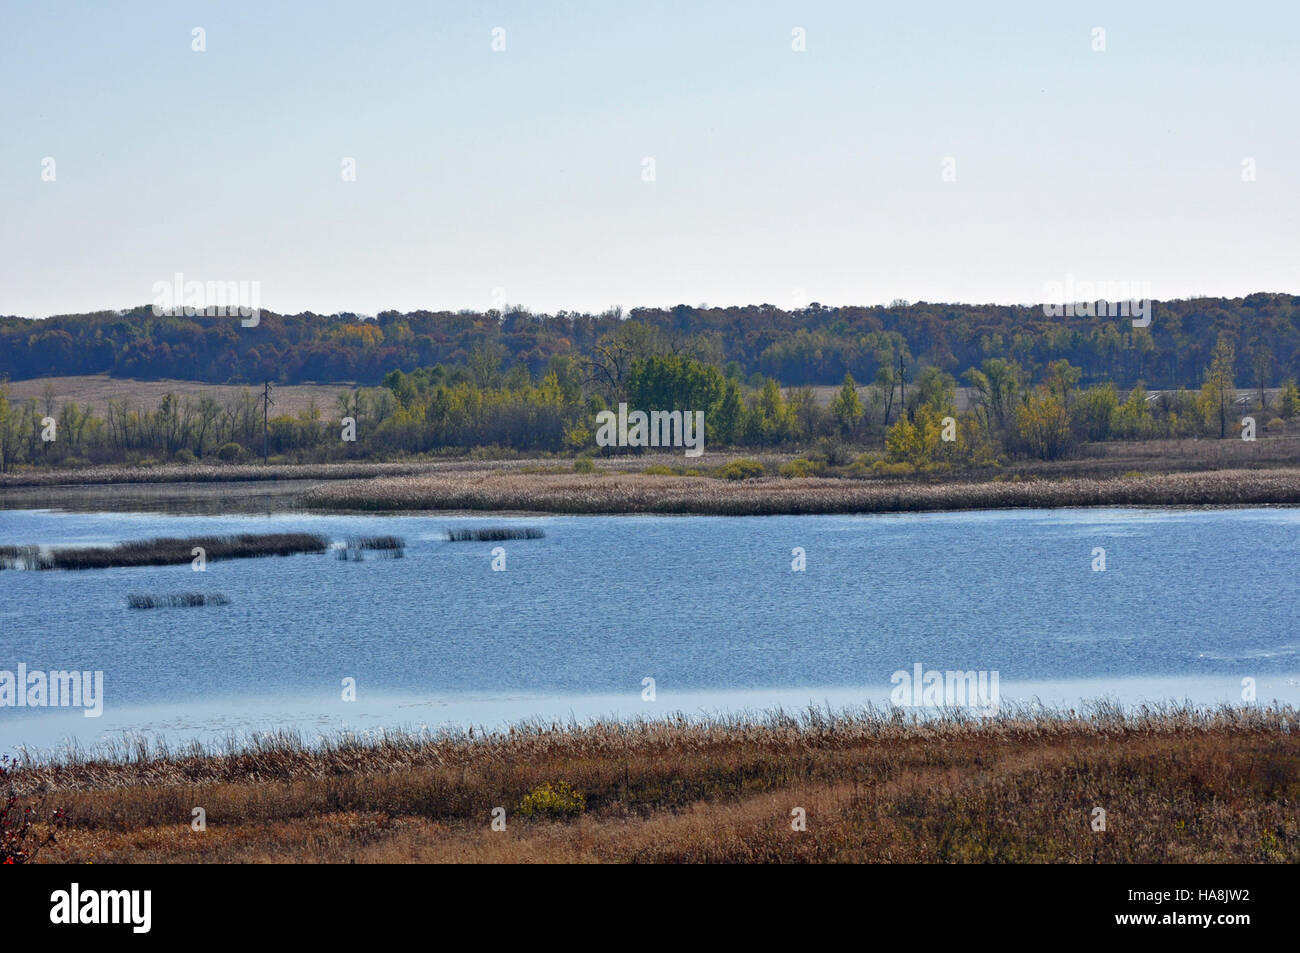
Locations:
(553, 800)
(658, 470)
(184, 455)
(800, 468)
(885, 468)
(740, 469)
(584, 465)
(230, 452)
(146, 462)
(1277, 425)
(833, 452)
(18, 845)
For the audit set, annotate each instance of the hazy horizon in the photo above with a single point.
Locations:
(627, 309)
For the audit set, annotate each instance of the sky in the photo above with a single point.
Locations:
(926, 151)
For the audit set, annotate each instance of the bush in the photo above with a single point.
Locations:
(740, 469)
(230, 452)
(146, 462)
(833, 452)
(1277, 425)
(658, 470)
(887, 469)
(552, 800)
(800, 468)
(185, 456)
(18, 843)
(584, 465)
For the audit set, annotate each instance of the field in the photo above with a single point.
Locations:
(1175, 785)
(96, 390)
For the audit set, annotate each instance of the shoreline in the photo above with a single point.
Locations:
(630, 494)
(522, 488)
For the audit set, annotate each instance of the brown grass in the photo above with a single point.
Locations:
(96, 390)
(1177, 784)
(176, 473)
(634, 493)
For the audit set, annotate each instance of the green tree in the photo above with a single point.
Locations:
(1289, 404)
(996, 383)
(846, 408)
(728, 420)
(1041, 425)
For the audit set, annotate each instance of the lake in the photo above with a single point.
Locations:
(1190, 603)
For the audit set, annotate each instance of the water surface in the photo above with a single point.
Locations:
(1191, 602)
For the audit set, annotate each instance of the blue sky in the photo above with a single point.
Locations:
(780, 176)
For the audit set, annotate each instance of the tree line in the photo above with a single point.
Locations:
(815, 345)
(907, 415)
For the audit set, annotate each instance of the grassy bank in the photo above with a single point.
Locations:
(1177, 785)
(636, 493)
(1092, 461)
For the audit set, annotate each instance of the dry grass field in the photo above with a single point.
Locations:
(1177, 785)
(98, 389)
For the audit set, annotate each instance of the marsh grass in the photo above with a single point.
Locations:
(638, 493)
(165, 551)
(493, 534)
(1178, 782)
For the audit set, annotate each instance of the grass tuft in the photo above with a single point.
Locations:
(175, 600)
(493, 534)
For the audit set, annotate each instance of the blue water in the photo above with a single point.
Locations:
(1190, 603)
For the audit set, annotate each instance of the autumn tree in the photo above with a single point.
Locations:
(1220, 388)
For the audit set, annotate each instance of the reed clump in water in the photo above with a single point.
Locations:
(493, 534)
(388, 547)
(175, 600)
(165, 551)
(22, 557)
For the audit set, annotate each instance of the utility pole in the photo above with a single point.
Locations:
(266, 406)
